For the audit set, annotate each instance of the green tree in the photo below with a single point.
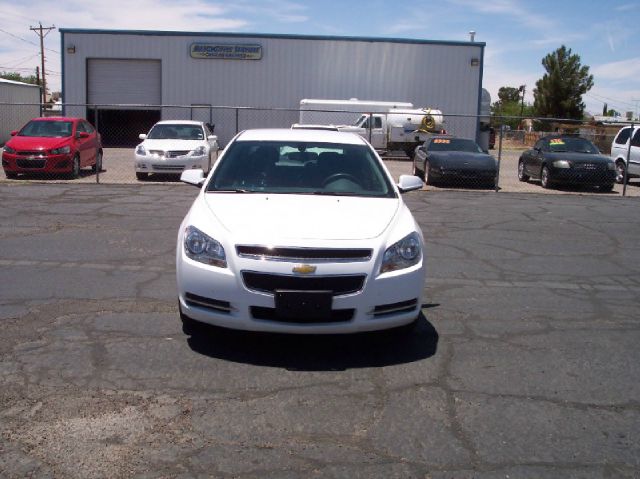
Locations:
(509, 94)
(508, 108)
(17, 77)
(558, 94)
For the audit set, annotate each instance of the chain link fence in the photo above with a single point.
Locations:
(522, 160)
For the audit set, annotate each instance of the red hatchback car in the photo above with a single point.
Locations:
(53, 145)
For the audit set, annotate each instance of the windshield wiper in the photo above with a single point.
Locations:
(237, 190)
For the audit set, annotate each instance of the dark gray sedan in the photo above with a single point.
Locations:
(449, 159)
(566, 159)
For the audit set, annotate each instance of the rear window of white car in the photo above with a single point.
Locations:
(623, 136)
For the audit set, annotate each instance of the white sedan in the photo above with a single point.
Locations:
(300, 231)
(172, 146)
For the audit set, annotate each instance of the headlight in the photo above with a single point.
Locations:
(200, 151)
(8, 149)
(61, 151)
(141, 151)
(202, 248)
(402, 254)
(561, 164)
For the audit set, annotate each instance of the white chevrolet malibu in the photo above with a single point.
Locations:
(172, 146)
(300, 231)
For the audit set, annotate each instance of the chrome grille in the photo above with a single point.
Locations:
(269, 283)
(177, 153)
(304, 254)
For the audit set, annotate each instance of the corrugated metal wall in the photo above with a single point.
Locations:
(438, 75)
(24, 105)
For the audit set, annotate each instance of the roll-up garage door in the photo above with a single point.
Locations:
(113, 82)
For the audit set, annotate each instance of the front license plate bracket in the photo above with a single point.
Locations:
(303, 305)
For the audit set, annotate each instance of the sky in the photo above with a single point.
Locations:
(518, 34)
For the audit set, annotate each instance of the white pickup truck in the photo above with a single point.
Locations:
(397, 129)
(387, 126)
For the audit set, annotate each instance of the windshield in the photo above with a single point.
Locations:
(454, 144)
(301, 168)
(47, 129)
(579, 145)
(167, 131)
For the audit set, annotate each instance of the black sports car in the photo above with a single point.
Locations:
(447, 159)
(567, 159)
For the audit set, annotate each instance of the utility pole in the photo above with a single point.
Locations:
(42, 32)
(522, 89)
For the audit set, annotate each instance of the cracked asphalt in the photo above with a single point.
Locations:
(525, 363)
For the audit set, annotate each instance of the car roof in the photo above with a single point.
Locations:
(180, 122)
(562, 135)
(288, 134)
(57, 118)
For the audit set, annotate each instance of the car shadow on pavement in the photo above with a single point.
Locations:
(335, 352)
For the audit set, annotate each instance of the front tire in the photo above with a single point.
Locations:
(190, 326)
(522, 176)
(10, 175)
(75, 168)
(141, 176)
(545, 178)
(606, 188)
(428, 178)
(417, 172)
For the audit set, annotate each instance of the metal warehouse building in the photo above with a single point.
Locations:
(19, 103)
(130, 79)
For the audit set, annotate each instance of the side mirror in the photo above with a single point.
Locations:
(212, 138)
(409, 183)
(142, 136)
(14, 132)
(82, 134)
(193, 177)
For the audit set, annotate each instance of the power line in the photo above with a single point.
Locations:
(603, 98)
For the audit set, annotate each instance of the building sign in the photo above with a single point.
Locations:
(226, 51)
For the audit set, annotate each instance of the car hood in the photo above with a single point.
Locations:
(173, 144)
(460, 159)
(577, 157)
(36, 143)
(248, 216)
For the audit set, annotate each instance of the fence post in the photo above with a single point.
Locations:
(626, 168)
(97, 125)
(500, 130)
(370, 127)
(237, 120)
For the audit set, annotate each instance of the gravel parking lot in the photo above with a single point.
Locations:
(118, 169)
(525, 363)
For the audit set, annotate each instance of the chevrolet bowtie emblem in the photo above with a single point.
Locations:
(304, 269)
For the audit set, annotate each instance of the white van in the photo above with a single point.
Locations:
(620, 149)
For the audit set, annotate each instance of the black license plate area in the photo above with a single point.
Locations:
(303, 305)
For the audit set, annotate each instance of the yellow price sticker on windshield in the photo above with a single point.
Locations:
(442, 140)
(556, 141)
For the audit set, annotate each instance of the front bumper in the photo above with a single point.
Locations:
(463, 174)
(221, 297)
(161, 164)
(585, 176)
(16, 163)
